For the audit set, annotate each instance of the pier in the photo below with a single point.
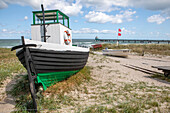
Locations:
(133, 41)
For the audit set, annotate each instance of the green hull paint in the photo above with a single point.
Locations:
(48, 79)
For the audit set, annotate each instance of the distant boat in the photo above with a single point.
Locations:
(116, 52)
(96, 46)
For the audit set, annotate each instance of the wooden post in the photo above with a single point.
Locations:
(43, 22)
(30, 77)
(117, 43)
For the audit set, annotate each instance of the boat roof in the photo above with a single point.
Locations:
(51, 17)
(49, 14)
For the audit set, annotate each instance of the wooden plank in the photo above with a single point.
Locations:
(147, 71)
(167, 68)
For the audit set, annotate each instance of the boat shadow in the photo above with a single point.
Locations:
(117, 56)
(160, 78)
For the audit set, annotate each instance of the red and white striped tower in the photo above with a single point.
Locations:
(119, 34)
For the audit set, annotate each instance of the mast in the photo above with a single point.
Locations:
(43, 22)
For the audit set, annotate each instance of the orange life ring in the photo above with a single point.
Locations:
(67, 37)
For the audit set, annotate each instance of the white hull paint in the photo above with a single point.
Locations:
(55, 47)
(116, 52)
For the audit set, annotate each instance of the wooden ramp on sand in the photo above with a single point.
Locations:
(147, 71)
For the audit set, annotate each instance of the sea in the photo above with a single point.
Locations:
(9, 43)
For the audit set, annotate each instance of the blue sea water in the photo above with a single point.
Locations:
(8, 43)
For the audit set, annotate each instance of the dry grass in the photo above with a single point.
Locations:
(128, 98)
(6, 53)
(9, 64)
(52, 97)
(157, 49)
(70, 83)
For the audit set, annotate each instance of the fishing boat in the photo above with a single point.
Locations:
(49, 56)
(116, 52)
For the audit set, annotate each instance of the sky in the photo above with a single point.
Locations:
(138, 19)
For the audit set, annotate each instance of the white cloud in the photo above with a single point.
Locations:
(86, 30)
(126, 31)
(74, 7)
(25, 18)
(107, 31)
(3, 4)
(33, 3)
(100, 17)
(13, 31)
(67, 6)
(167, 34)
(166, 12)
(151, 33)
(98, 5)
(75, 21)
(92, 31)
(150, 4)
(156, 18)
(107, 5)
(104, 5)
(4, 30)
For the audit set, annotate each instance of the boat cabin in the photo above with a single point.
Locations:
(57, 28)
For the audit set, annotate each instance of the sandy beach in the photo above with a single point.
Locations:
(115, 65)
(113, 83)
(115, 87)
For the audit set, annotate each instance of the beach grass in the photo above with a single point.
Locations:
(9, 64)
(52, 97)
(156, 49)
(129, 98)
(70, 83)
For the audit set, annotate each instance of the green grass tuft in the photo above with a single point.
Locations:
(161, 76)
(97, 109)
